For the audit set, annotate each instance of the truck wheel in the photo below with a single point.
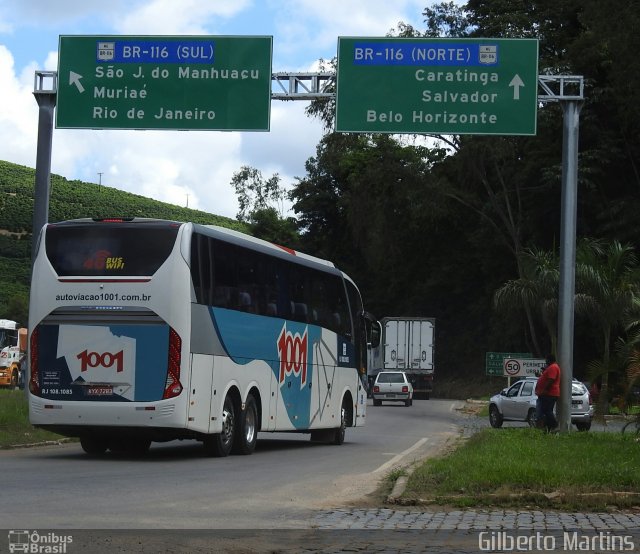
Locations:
(14, 379)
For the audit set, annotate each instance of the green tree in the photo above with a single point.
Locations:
(267, 224)
(536, 293)
(254, 192)
(608, 285)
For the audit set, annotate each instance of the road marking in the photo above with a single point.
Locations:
(393, 461)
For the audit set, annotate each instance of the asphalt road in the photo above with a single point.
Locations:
(281, 486)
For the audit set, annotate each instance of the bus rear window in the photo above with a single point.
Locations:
(108, 249)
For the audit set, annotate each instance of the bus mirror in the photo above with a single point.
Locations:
(374, 329)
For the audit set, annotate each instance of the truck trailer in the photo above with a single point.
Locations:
(406, 345)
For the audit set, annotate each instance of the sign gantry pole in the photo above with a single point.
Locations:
(571, 119)
(46, 98)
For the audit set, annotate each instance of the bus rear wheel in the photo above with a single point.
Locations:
(247, 430)
(94, 446)
(220, 444)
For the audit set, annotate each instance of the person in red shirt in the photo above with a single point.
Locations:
(548, 392)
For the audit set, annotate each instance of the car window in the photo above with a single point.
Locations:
(527, 389)
(578, 389)
(390, 378)
(513, 391)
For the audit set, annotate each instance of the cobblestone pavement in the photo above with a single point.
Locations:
(493, 520)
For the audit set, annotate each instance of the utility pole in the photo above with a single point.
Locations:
(100, 179)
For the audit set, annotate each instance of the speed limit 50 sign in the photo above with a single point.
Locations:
(518, 367)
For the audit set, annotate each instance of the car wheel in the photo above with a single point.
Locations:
(377, 402)
(495, 417)
(583, 426)
(531, 417)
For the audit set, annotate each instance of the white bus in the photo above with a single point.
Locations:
(149, 330)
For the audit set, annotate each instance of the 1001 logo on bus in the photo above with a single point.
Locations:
(106, 360)
(292, 353)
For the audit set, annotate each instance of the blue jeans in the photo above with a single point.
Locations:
(545, 405)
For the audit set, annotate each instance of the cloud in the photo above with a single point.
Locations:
(18, 112)
(186, 17)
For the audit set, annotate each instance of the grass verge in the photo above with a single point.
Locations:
(526, 467)
(15, 428)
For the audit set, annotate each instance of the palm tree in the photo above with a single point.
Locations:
(608, 285)
(535, 292)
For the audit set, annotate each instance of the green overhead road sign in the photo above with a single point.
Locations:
(441, 86)
(164, 82)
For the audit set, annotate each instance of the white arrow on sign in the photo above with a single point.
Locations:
(74, 79)
(516, 83)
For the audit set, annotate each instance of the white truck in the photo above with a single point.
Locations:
(406, 345)
(13, 345)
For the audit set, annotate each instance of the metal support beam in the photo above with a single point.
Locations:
(302, 86)
(293, 85)
(46, 98)
(560, 87)
(571, 120)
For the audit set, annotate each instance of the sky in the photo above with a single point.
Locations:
(186, 168)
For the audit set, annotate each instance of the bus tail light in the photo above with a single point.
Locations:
(34, 379)
(173, 387)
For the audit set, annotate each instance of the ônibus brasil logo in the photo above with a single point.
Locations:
(292, 353)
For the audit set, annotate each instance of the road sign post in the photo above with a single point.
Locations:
(160, 82)
(441, 86)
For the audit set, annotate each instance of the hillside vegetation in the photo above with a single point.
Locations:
(68, 200)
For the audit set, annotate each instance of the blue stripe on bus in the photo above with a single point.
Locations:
(248, 337)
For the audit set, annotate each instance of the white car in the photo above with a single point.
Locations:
(392, 386)
(518, 403)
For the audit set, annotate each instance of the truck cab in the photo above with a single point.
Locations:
(13, 341)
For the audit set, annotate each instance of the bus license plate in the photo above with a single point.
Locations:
(99, 391)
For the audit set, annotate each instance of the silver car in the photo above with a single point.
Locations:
(392, 386)
(518, 403)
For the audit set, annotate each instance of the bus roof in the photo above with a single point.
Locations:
(243, 238)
